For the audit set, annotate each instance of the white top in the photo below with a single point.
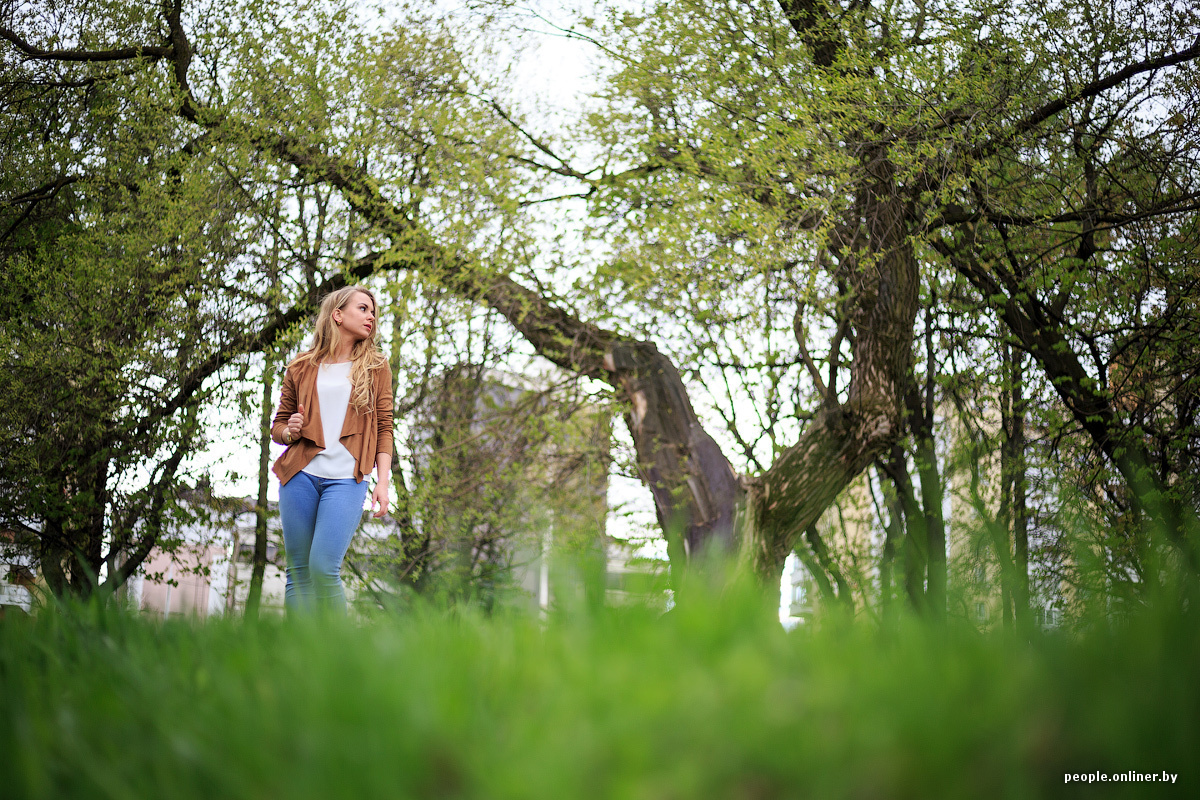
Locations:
(333, 393)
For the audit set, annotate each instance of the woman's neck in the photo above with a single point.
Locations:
(342, 354)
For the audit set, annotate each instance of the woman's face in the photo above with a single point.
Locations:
(357, 317)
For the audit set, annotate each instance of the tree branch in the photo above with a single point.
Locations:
(1104, 84)
(117, 54)
(1090, 90)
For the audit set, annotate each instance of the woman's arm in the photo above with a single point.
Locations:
(383, 410)
(383, 477)
(287, 408)
(384, 442)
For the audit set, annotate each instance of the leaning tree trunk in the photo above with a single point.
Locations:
(695, 488)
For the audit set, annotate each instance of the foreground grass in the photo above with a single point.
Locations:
(704, 703)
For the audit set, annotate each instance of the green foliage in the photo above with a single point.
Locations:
(711, 700)
(111, 263)
(1069, 207)
(502, 474)
(148, 252)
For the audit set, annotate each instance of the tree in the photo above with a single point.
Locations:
(864, 141)
(130, 234)
(105, 304)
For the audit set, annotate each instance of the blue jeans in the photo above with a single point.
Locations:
(319, 516)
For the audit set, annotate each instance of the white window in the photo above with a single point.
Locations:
(799, 593)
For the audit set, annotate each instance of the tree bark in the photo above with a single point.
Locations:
(261, 517)
(893, 535)
(921, 409)
(1013, 480)
(914, 550)
(695, 489)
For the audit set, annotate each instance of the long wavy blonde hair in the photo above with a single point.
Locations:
(365, 355)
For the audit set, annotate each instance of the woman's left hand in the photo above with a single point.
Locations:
(380, 497)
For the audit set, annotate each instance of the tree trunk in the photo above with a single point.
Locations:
(695, 489)
(922, 407)
(893, 534)
(1014, 478)
(261, 516)
(72, 540)
(914, 548)
(1010, 538)
(844, 438)
(824, 559)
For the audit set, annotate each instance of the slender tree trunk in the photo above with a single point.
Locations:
(935, 526)
(1010, 533)
(920, 421)
(1011, 518)
(826, 562)
(914, 548)
(414, 552)
(893, 537)
(261, 510)
(820, 577)
(261, 515)
(1002, 529)
(1002, 540)
(1020, 531)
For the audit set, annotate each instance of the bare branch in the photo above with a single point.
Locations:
(813, 371)
(1104, 84)
(152, 53)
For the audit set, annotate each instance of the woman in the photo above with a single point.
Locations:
(335, 416)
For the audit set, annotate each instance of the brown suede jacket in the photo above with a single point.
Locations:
(364, 435)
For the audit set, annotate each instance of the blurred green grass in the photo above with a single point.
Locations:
(714, 700)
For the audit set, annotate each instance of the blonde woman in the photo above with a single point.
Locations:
(335, 416)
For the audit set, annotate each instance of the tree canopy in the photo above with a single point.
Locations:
(826, 215)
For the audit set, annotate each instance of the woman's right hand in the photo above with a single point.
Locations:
(294, 424)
